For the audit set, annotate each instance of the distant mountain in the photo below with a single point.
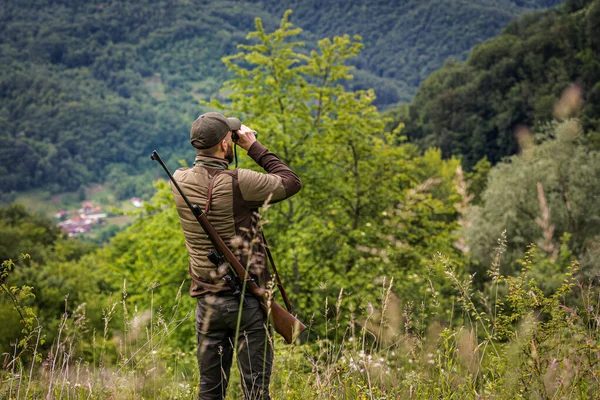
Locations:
(405, 40)
(87, 90)
(475, 108)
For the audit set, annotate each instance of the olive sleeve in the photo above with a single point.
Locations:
(279, 182)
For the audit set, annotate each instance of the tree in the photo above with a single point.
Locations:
(46, 265)
(540, 195)
(351, 171)
(473, 109)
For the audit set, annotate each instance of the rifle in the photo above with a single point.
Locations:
(284, 322)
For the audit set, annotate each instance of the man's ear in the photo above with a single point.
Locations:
(224, 143)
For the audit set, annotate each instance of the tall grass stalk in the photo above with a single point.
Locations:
(521, 344)
(55, 355)
(34, 357)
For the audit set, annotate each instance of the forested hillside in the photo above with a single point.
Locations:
(476, 108)
(405, 41)
(88, 89)
(417, 279)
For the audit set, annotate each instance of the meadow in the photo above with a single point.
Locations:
(525, 345)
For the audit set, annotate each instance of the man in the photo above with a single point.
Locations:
(231, 199)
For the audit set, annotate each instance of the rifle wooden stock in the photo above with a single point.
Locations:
(284, 322)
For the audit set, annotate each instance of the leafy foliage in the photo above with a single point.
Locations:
(474, 109)
(44, 278)
(540, 196)
(148, 263)
(23, 233)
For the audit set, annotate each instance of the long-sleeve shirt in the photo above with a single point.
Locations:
(236, 196)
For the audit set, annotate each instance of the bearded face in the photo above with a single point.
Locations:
(229, 152)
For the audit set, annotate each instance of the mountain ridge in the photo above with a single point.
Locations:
(88, 90)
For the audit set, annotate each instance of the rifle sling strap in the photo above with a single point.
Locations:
(266, 246)
(210, 191)
(288, 305)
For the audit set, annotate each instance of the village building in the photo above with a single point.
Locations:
(89, 215)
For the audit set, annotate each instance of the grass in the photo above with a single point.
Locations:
(526, 345)
(39, 202)
(42, 202)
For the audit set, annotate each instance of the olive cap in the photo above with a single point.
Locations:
(210, 128)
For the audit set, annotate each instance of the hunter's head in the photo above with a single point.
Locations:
(211, 135)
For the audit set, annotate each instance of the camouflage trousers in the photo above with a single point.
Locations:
(216, 322)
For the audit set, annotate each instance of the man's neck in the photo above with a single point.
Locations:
(211, 161)
(215, 155)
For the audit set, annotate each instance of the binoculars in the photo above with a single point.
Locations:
(235, 137)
